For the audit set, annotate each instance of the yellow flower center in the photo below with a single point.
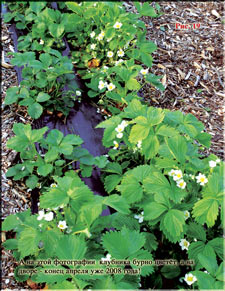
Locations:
(190, 278)
(179, 175)
(185, 243)
(61, 225)
(202, 179)
(181, 184)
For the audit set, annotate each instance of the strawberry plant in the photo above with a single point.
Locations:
(58, 154)
(43, 82)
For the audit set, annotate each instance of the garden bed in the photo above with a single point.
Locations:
(155, 100)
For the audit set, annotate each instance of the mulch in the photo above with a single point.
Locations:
(191, 63)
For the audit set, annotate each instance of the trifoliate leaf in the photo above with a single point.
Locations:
(139, 132)
(194, 249)
(54, 137)
(166, 130)
(28, 242)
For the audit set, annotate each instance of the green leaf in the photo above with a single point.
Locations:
(109, 132)
(130, 189)
(10, 222)
(170, 272)
(42, 97)
(220, 273)
(196, 231)
(132, 84)
(37, 6)
(148, 47)
(101, 161)
(28, 242)
(71, 248)
(51, 155)
(86, 170)
(138, 132)
(46, 60)
(56, 30)
(45, 169)
(114, 168)
(90, 212)
(111, 182)
(206, 211)
(194, 249)
(150, 146)
(178, 147)
(10, 244)
(146, 59)
(35, 110)
(153, 210)
(156, 183)
(174, 222)
(151, 242)
(154, 116)
(166, 130)
(155, 81)
(208, 260)
(117, 202)
(54, 137)
(12, 95)
(148, 10)
(204, 138)
(217, 244)
(204, 281)
(54, 198)
(72, 139)
(32, 181)
(129, 241)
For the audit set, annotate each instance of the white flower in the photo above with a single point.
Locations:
(41, 41)
(40, 225)
(120, 53)
(78, 93)
(116, 145)
(119, 128)
(53, 185)
(190, 279)
(206, 272)
(186, 214)
(178, 175)
(101, 36)
(118, 62)
(181, 184)
(41, 215)
(192, 176)
(139, 144)
(105, 68)
(201, 179)
(111, 86)
(119, 135)
(93, 46)
(49, 216)
(140, 217)
(109, 54)
(184, 244)
(101, 85)
(124, 123)
(212, 164)
(117, 25)
(23, 168)
(218, 161)
(62, 225)
(92, 34)
(172, 173)
(144, 72)
(107, 258)
(195, 239)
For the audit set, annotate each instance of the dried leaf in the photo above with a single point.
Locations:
(215, 13)
(161, 66)
(182, 75)
(164, 80)
(93, 63)
(197, 65)
(3, 237)
(32, 284)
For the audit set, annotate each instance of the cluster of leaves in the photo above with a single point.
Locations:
(43, 82)
(127, 44)
(169, 140)
(38, 168)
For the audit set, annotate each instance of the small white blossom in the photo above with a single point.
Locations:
(92, 34)
(41, 215)
(120, 53)
(195, 239)
(190, 279)
(105, 68)
(49, 216)
(181, 184)
(23, 168)
(206, 272)
(139, 144)
(78, 93)
(93, 46)
(109, 54)
(116, 145)
(117, 25)
(119, 135)
(212, 164)
(62, 225)
(53, 185)
(101, 85)
(201, 179)
(107, 258)
(144, 72)
(140, 217)
(186, 214)
(172, 173)
(178, 175)
(41, 41)
(124, 123)
(184, 244)
(111, 86)
(192, 176)
(119, 128)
